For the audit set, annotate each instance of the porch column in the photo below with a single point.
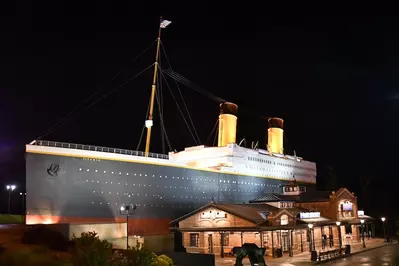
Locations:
(373, 229)
(221, 244)
(291, 241)
(261, 239)
(272, 243)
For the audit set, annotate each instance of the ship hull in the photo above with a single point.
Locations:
(64, 189)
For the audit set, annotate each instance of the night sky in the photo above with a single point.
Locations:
(332, 79)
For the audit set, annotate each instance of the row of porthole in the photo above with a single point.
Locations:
(224, 181)
(145, 195)
(280, 164)
(151, 205)
(187, 178)
(202, 190)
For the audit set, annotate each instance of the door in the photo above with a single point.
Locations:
(284, 241)
(210, 244)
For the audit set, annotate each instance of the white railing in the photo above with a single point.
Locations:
(97, 148)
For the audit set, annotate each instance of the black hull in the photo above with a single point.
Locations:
(62, 186)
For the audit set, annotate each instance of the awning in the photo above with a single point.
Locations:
(366, 218)
(320, 220)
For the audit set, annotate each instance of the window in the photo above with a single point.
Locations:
(225, 239)
(348, 229)
(194, 240)
(265, 239)
(284, 219)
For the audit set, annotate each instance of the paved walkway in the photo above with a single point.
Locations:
(302, 258)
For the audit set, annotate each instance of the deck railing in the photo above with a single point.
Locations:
(97, 148)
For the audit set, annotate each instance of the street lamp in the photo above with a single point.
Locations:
(362, 222)
(126, 210)
(10, 188)
(313, 252)
(23, 202)
(383, 227)
(312, 245)
(338, 223)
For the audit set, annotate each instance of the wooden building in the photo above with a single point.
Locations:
(293, 221)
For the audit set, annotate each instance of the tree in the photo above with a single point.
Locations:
(365, 182)
(331, 178)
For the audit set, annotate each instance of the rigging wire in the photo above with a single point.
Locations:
(160, 103)
(142, 131)
(134, 60)
(214, 127)
(163, 130)
(181, 95)
(96, 102)
(174, 75)
(214, 140)
(178, 107)
(68, 115)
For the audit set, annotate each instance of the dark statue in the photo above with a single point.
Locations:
(254, 253)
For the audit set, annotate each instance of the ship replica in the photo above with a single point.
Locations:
(75, 183)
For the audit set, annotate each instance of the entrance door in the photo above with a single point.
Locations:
(210, 244)
(284, 241)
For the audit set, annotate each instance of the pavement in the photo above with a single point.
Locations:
(304, 258)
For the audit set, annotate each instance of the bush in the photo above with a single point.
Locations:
(32, 256)
(89, 250)
(139, 256)
(167, 259)
(45, 237)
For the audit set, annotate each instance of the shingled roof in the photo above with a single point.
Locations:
(314, 196)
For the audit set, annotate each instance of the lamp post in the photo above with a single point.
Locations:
(312, 245)
(126, 210)
(313, 252)
(10, 188)
(338, 223)
(362, 222)
(383, 227)
(23, 204)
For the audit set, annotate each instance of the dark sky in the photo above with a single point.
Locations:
(332, 79)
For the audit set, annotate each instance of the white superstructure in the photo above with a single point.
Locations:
(240, 160)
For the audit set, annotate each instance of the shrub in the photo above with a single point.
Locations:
(139, 256)
(45, 237)
(167, 259)
(89, 250)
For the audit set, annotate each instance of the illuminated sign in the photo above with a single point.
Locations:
(347, 206)
(309, 215)
(213, 214)
(360, 213)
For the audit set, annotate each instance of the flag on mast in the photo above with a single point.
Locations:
(165, 23)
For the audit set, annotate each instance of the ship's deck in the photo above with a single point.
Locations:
(96, 148)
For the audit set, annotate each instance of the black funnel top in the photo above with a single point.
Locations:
(276, 122)
(228, 108)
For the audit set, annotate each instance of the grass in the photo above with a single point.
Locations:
(18, 254)
(11, 219)
(33, 256)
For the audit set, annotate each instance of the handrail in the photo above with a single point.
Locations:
(97, 148)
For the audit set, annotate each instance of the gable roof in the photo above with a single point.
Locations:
(251, 212)
(313, 196)
(344, 191)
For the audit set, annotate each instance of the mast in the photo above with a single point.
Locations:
(149, 122)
